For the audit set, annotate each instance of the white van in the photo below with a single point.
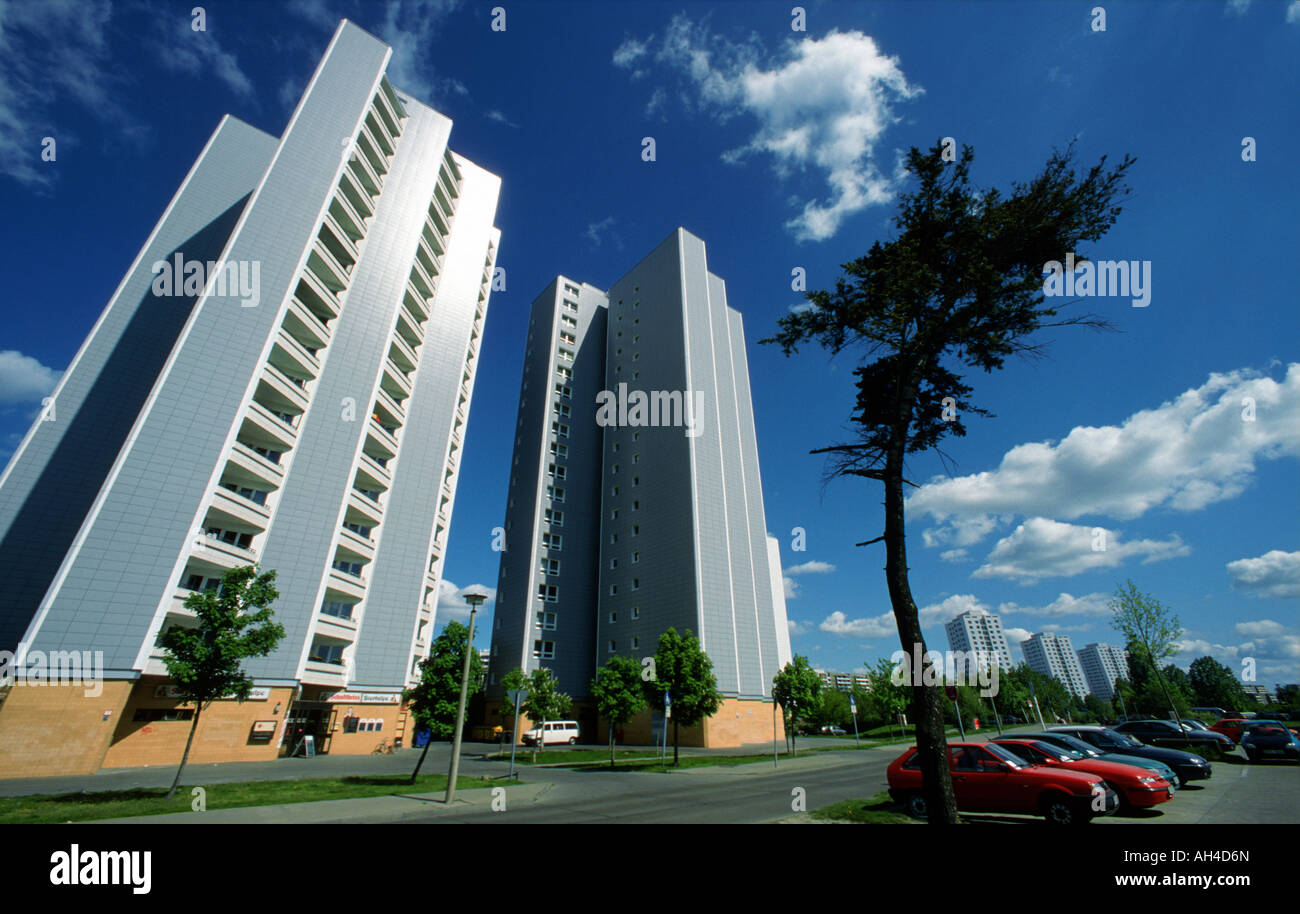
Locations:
(557, 731)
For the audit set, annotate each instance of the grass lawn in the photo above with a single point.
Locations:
(572, 756)
(877, 810)
(111, 804)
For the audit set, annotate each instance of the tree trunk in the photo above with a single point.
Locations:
(1160, 677)
(198, 709)
(674, 742)
(420, 763)
(927, 708)
(611, 744)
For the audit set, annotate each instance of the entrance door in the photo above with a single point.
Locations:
(308, 718)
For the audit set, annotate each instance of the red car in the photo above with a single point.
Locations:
(988, 778)
(1230, 727)
(1140, 788)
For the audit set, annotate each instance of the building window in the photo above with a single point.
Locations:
(636, 642)
(550, 566)
(636, 583)
(613, 469)
(636, 505)
(613, 563)
(564, 390)
(556, 472)
(568, 321)
(613, 590)
(636, 458)
(613, 515)
(613, 617)
(636, 557)
(636, 480)
(546, 621)
(564, 355)
(544, 649)
(555, 517)
(563, 373)
(553, 541)
(612, 646)
(548, 593)
(636, 529)
(614, 490)
(566, 337)
(560, 429)
(636, 612)
(554, 493)
(559, 450)
(338, 610)
(613, 538)
(348, 568)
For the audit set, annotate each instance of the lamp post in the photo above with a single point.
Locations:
(475, 600)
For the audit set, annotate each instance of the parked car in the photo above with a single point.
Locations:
(1012, 719)
(1229, 727)
(1138, 788)
(988, 778)
(831, 730)
(1166, 733)
(1263, 739)
(1187, 765)
(1211, 713)
(557, 731)
(1074, 744)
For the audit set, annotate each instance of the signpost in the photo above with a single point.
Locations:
(853, 709)
(668, 713)
(515, 695)
(951, 691)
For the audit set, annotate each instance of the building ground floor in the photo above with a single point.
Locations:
(48, 730)
(738, 722)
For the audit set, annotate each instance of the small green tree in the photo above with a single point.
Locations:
(515, 679)
(1155, 630)
(205, 661)
(1102, 711)
(618, 693)
(433, 701)
(683, 669)
(545, 702)
(797, 688)
(888, 698)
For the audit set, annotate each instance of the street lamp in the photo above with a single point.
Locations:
(475, 599)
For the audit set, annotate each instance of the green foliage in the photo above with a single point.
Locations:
(1098, 710)
(832, 709)
(618, 694)
(1144, 620)
(797, 689)
(433, 700)
(1214, 685)
(234, 623)
(684, 670)
(545, 701)
(885, 700)
(515, 679)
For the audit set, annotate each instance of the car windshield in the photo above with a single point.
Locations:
(1003, 755)
(1112, 738)
(1078, 746)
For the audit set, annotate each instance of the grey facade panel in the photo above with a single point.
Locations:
(56, 477)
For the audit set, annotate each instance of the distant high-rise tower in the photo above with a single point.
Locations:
(980, 630)
(635, 501)
(1053, 655)
(1102, 664)
(283, 377)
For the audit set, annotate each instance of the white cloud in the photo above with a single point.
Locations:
(500, 118)
(1293, 12)
(54, 59)
(884, 625)
(184, 50)
(1042, 548)
(23, 379)
(791, 588)
(412, 28)
(1094, 604)
(1274, 574)
(1185, 454)
(811, 568)
(451, 600)
(597, 232)
(796, 627)
(1016, 635)
(824, 108)
(628, 53)
(1237, 7)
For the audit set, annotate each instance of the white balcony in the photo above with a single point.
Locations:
(280, 392)
(324, 674)
(271, 425)
(374, 473)
(365, 508)
(290, 356)
(359, 546)
(256, 466)
(347, 585)
(384, 439)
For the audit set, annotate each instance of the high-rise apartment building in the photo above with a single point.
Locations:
(978, 630)
(635, 502)
(1102, 664)
(1053, 655)
(283, 377)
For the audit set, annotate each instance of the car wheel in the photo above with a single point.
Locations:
(915, 805)
(1058, 810)
(1253, 757)
(573, 740)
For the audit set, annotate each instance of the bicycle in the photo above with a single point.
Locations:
(383, 749)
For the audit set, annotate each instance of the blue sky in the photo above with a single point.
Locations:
(780, 149)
